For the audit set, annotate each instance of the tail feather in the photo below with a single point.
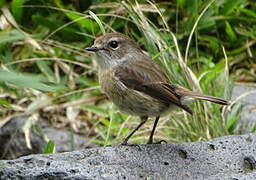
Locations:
(212, 99)
(216, 100)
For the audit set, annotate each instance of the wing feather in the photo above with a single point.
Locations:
(146, 76)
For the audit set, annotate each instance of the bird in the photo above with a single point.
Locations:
(136, 84)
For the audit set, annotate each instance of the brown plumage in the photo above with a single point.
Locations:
(135, 83)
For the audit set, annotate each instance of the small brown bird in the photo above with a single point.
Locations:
(136, 84)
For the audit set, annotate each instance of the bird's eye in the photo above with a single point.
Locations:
(113, 44)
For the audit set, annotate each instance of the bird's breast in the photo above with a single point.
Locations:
(129, 100)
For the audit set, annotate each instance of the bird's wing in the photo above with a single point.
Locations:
(147, 77)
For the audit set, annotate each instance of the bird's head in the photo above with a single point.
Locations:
(113, 48)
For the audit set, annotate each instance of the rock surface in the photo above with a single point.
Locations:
(247, 120)
(230, 157)
(13, 144)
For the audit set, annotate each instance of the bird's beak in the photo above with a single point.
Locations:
(93, 48)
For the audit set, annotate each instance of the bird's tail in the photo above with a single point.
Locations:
(193, 95)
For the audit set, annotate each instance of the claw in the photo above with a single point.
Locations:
(158, 142)
(126, 144)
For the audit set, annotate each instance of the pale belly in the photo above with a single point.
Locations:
(131, 101)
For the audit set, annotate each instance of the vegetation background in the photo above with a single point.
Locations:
(45, 72)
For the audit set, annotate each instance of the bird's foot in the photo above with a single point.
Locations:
(158, 142)
(125, 143)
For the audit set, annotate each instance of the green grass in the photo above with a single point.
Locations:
(201, 45)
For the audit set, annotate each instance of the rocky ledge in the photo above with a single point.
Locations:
(229, 157)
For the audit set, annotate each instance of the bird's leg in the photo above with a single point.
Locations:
(144, 119)
(150, 140)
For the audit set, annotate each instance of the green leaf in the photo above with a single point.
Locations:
(88, 24)
(49, 148)
(70, 33)
(97, 110)
(4, 103)
(11, 36)
(233, 117)
(247, 12)
(105, 122)
(161, 52)
(211, 40)
(207, 21)
(181, 3)
(98, 21)
(85, 23)
(245, 32)
(229, 6)
(45, 68)
(86, 81)
(2, 3)
(27, 80)
(253, 130)
(17, 9)
(230, 32)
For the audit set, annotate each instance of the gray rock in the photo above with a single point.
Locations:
(67, 141)
(13, 143)
(230, 157)
(247, 119)
(240, 89)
